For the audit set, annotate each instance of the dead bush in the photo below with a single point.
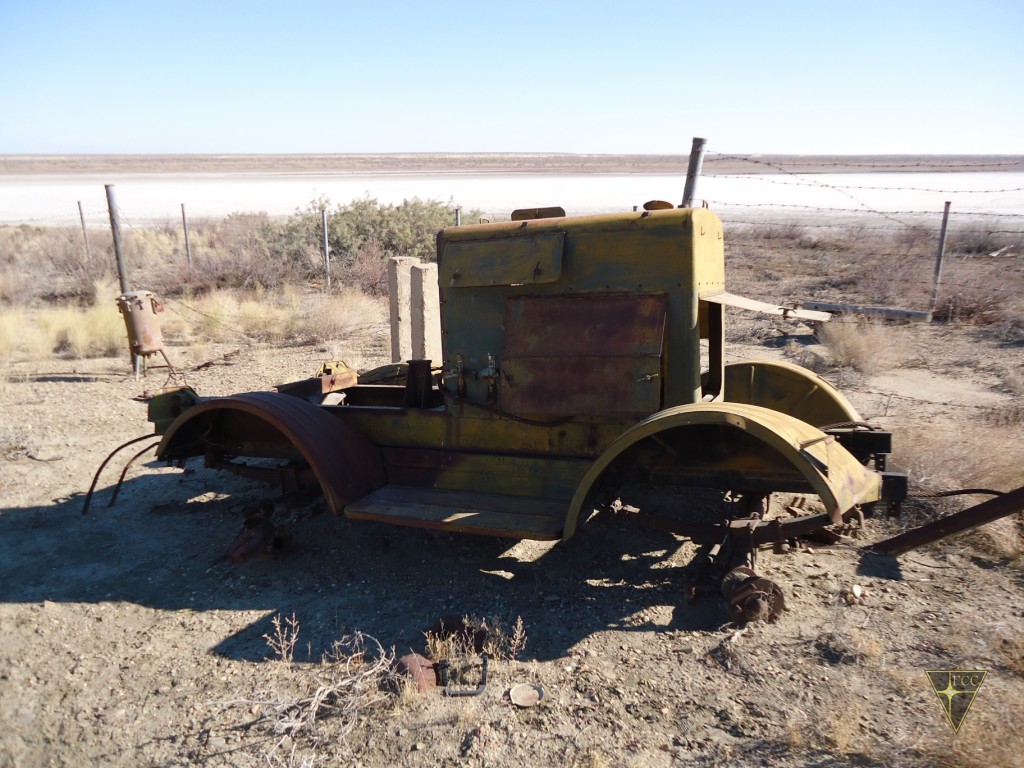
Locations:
(367, 269)
(980, 238)
(958, 456)
(867, 347)
(971, 304)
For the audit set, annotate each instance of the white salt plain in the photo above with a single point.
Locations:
(50, 199)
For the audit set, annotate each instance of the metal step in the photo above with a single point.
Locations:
(487, 514)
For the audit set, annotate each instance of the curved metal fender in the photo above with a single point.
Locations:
(346, 464)
(787, 388)
(834, 474)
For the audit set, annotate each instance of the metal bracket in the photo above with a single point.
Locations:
(451, 691)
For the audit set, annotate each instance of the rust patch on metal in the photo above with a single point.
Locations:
(267, 424)
(752, 597)
(583, 354)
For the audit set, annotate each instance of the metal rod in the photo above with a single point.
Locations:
(693, 171)
(938, 259)
(993, 509)
(115, 229)
(188, 244)
(327, 248)
(458, 216)
(85, 234)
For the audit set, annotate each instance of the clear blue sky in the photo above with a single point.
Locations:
(314, 76)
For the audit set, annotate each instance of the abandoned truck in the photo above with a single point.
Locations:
(583, 367)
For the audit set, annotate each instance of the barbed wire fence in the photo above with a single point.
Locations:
(893, 232)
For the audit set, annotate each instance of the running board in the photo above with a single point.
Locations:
(487, 514)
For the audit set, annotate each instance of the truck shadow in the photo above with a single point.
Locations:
(339, 576)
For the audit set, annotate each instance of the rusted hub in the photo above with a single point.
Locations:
(752, 597)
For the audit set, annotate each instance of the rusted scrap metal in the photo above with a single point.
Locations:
(421, 670)
(259, 535)
(140, 310)
(752, 597)
(96, 477)
(449, 685)
(1002, 506)
(319, 385)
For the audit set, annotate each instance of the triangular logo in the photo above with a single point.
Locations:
(956, 689)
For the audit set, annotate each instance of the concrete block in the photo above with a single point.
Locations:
(399, 285)
(426, 313)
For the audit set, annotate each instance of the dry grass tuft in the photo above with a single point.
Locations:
(954, 456)
(473, 635)
(867, 347)
(342, 316)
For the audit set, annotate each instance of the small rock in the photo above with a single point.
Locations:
(418, 746)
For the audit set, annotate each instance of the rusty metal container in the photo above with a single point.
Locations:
(140, 310)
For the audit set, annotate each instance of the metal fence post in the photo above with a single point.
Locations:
(115, 230)
(188, 245)
(85, 234)
(938, 259)
(327, 247)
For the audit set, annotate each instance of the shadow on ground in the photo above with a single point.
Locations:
(162, 546)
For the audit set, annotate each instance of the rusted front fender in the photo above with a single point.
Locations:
(764, 440)
(272, 425)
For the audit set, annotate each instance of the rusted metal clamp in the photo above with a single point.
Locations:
(451, 691)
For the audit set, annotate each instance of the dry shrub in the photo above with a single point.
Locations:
(12, 325)
(279, 316)
(349, 683)
(342, 316)
(367, 270)
(865, 346)
(473, 635)
(956, 456)
(981, 238)
(972, 303)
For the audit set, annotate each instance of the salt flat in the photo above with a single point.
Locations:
(46, 189)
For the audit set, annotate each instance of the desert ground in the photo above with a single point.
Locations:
(129, 638)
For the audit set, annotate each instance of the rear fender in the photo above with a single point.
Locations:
(267, 424)
(761, 438)
(787, 388)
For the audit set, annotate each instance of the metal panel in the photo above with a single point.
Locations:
(523, 260)
(583, 354)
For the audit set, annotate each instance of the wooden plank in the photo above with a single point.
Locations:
(479, 513)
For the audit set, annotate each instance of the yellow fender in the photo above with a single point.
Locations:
(831, 471)
(787, 388)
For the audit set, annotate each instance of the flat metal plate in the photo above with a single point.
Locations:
(583, 354)
(519, 260)
(486, 514)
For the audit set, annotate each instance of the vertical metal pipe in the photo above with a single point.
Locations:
(188, 244)
(693, 171)
(327, 248)
(85, 234)
(458, 216)
(938, 259)
(115, 229)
